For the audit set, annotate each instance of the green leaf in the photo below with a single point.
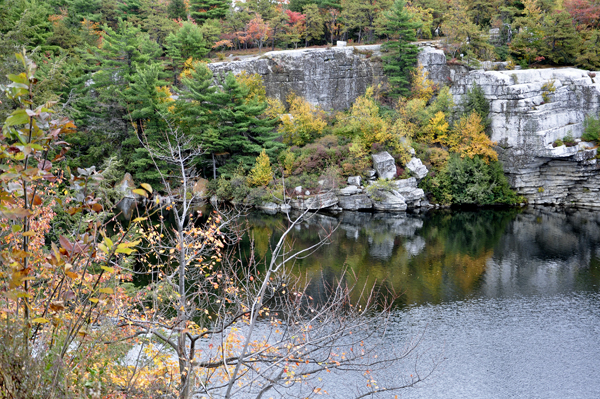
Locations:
(19, 117)
(20, 78)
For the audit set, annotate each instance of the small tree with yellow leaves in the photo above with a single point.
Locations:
(304, 123)
(468, 139)
(262, 173)
(254, 84)
(422, 86)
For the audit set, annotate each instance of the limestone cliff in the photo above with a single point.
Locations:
(530, 109)
(329, 77)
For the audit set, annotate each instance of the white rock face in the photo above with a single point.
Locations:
(527, 117)
(330, 77)
(417, 168)
(385, 165)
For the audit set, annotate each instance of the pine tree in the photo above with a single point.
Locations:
(195, 109)
(201, 10)
(147, 105)
(241, 128)
(188, 42)
(402, 54)
(476, 102)
(177, 9)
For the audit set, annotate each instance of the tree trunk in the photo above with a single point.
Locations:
(214, 166)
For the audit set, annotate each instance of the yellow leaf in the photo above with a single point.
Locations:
(108, 269)
(106, 290)
(140, 219)
(72, 275)
(40, 320)
(147, 187)
(141, 192)
(94, 300)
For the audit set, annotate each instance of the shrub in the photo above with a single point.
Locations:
(304, 123)
(591, 128)
(475, 101)
(262, 173)
(374, 190)
(547, 89)
(569, 140)
(557, 143)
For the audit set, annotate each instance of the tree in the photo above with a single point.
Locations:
(51, 294)
(314, 23)
(187, 43)
(561, 39)
(475, 101)
(202, 10)
(303, 124)
(262, 173)
(402, 54)
(463, 37)
(177, 9)
(258, 31)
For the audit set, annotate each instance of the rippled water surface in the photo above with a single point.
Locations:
(509, 298)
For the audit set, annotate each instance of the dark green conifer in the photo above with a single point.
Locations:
(401, 57)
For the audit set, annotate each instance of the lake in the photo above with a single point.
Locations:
(508, 298)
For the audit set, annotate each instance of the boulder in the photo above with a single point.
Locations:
(126, 187)
(385, 165)
(354, 180)
(269, 207)
(355, 202)
(298, 190)
(319, 201)
(350, 190)
(417, 168)
(389, 201)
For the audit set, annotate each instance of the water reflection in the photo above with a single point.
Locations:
(510, 296)
(448, 255)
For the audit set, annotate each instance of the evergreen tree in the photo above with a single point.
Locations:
(147, 104)
(476, 102)
(98, 106)
(401, 56)
(177, 9)
(589, 58)
(195, 109)
(188, 42)
(224, 122)
(201, 10)
(560, 38)
(314, 23)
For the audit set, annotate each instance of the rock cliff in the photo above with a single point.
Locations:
(530, 109)
(330, 77)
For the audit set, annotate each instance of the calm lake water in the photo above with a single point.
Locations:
(509, 298)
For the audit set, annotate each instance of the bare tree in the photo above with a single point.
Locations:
(242, 326)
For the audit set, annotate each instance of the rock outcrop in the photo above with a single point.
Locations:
(330, 77)
(530, 109)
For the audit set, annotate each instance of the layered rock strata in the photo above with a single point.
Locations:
(330, 77)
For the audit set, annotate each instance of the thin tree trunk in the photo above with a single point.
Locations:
(214, 166)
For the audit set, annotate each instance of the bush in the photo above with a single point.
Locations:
(557, 143)
(469, 181)
(591, 128)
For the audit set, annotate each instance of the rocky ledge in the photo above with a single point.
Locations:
(390, 196)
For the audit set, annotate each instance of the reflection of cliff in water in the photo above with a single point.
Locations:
(546, 252)
(448, 255)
